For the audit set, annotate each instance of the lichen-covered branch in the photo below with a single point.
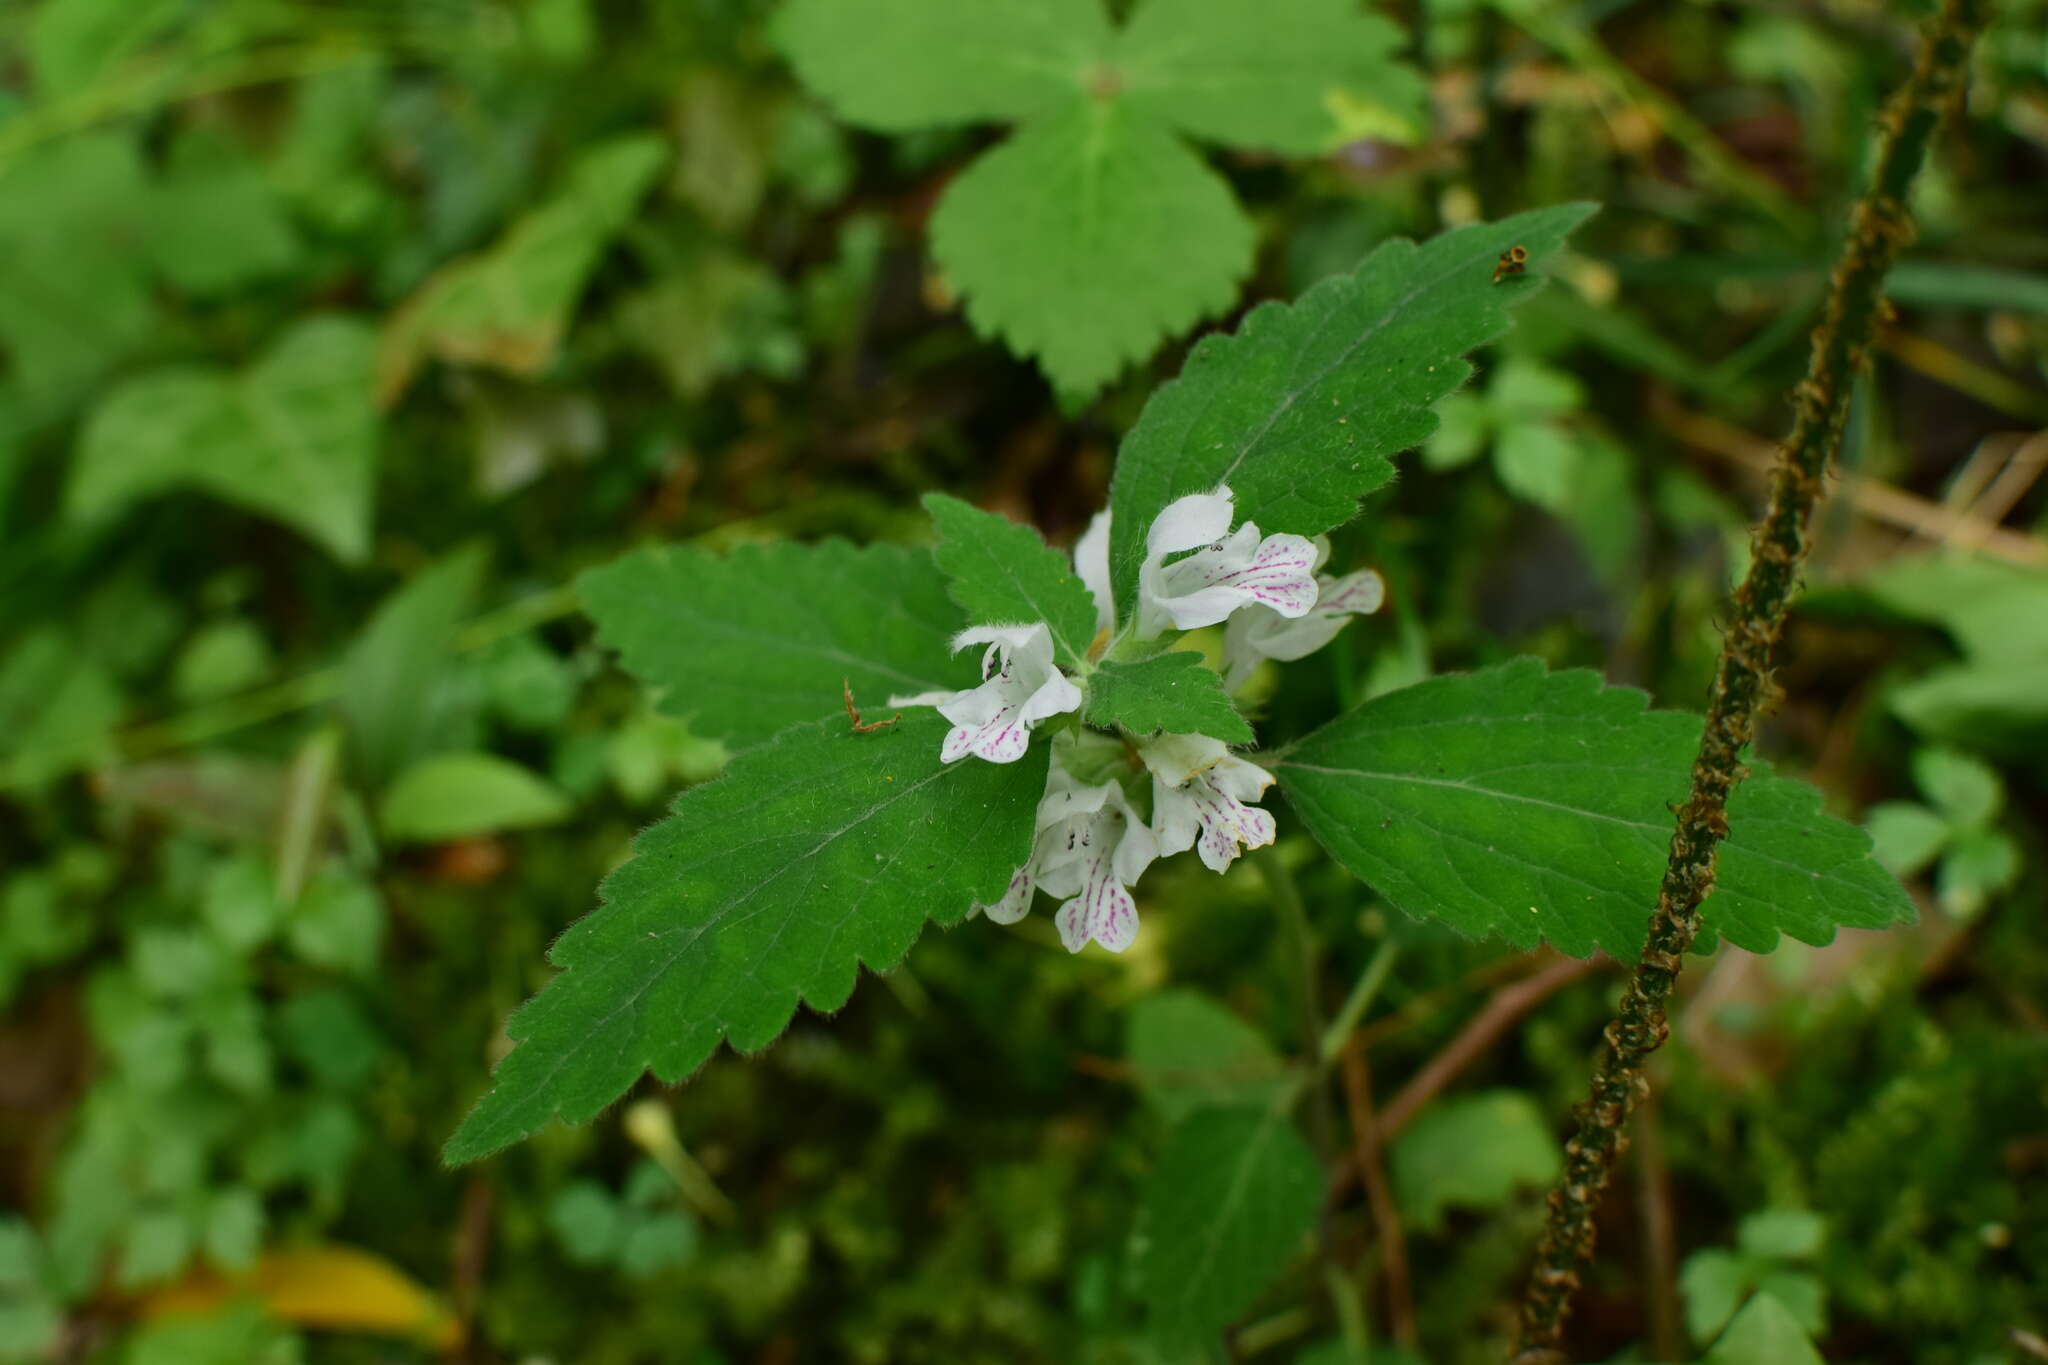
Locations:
(1880, 227)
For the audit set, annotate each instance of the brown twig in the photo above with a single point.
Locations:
(2020, 473)
(1501, 1012)
(1430, 1003)
(1873, 498)
(472, 1250)
(1660, 1237)
(1386, 1221)
(1841, 345)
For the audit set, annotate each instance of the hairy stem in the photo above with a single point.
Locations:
(1741, 679)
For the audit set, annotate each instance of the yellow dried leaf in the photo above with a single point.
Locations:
(332, 1288)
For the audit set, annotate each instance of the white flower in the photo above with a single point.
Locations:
(1089, 847)
(1200, 799)
(1232, 569)
(1091, 562)
(1019, 685)
(1258, 632)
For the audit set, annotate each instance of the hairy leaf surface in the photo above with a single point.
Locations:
(899, 65)
(811, 857)
(1004, 574)
(1301, 410)
(1231, 71)
(749, 643)
(1537, 806)
(1178, 693)
(1089, 237)
(1232, 1198)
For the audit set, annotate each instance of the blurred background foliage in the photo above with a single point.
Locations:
(337, 337)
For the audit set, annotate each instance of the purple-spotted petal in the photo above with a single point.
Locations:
(1228, 828)
(1201, 799)
(1280, 575)
(1015, 902)
(1002, 738)
(1104, 912)
(1357, 594)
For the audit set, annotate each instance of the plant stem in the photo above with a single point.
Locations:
(1878, 229)
(1386, 1220)
(1502, 1011)
(1358, 1002)
(1308, 970)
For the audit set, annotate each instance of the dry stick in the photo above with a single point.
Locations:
(1366, 1134)
(1875, 499)
(2026, 465)
(1660, 1236)
(1821, 403)
(1502, 1011)
(1506, 1007)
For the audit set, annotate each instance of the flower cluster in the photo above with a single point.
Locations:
(1090, 843)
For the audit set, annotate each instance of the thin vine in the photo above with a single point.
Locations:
(1880, 227)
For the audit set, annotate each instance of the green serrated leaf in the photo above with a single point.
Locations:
(1088, 238)
(1472, 1151)
(1232, 72)
(509, 306)
(1178, 693)
(900, 65)
(1537, 806)
(1302, 409)
(1232, 1198)
(294, 437)
(747, 644)
(812, 856)
(455, 796)
(1189, 1053)
(1003, 574)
